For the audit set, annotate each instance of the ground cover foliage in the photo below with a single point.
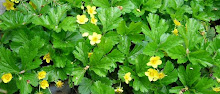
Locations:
(110, 46)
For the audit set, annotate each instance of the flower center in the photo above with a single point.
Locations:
(126, 77)
(91, 11)
(7, 77)
(8, 5)
(81, 20)
(95, 39)
(154, 61)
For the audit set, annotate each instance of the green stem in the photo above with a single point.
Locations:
(3, 91)
(112, 3)
(49, 90)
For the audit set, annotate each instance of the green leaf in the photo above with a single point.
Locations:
(69, 68)
(192, 30)
(100, 88)
(90, 28)
(51, 21)
(152, 5)
(217, 28)
(172, 74)
(102, 66)
(157, 27)
(141, 84)
(66, 40)
(189, 75)
(24, 87)
(78, 75)
(122, 28)
(152, 49)
(32, 77)
(204, 84)
(101, 3)
(59, 61)
(170, 42)
(29, 52)
(124, 45)
(81, 53)
(54, 74)
(14, 19)
(140, 64)
(176, 89)
(85, 86)
(127, 6)
(114, 36)
(178, 53)
(202, 57)
(116, 56)
(10, 87)
(8, 61)
(109, 17)
(68, 24)
(40, 3)
(137, 3)
(105, 45)
(134, 28)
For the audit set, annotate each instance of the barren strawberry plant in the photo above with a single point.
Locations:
(110, 46)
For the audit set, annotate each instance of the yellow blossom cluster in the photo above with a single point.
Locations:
(153, 74)
(9, 5)
(47, 58)
(177, 23)
(41, 75)
(59, 84)
(94, 39)
(6, 78)
(82, 19)
(127, 77)
(119, 90)
(216, 89)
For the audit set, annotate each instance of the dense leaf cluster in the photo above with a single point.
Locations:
(132, 32)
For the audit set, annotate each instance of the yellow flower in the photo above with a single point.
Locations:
(152, 74)
(154, 61)
(16, 1)
(42, 75)
(89, 54)
(91, 10)
(95, 38)
(33, 5)
(59, 84)
(6, 77)
(218, 80)
(9, 5)
(93, 20)
(176, 22)
(161, 75)
(217, 89)
(119, 90)
(85, 34)
(127, 77)
(92, 16)
(47, 58)
(175, 32)
(44, 84)
(82, 19)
